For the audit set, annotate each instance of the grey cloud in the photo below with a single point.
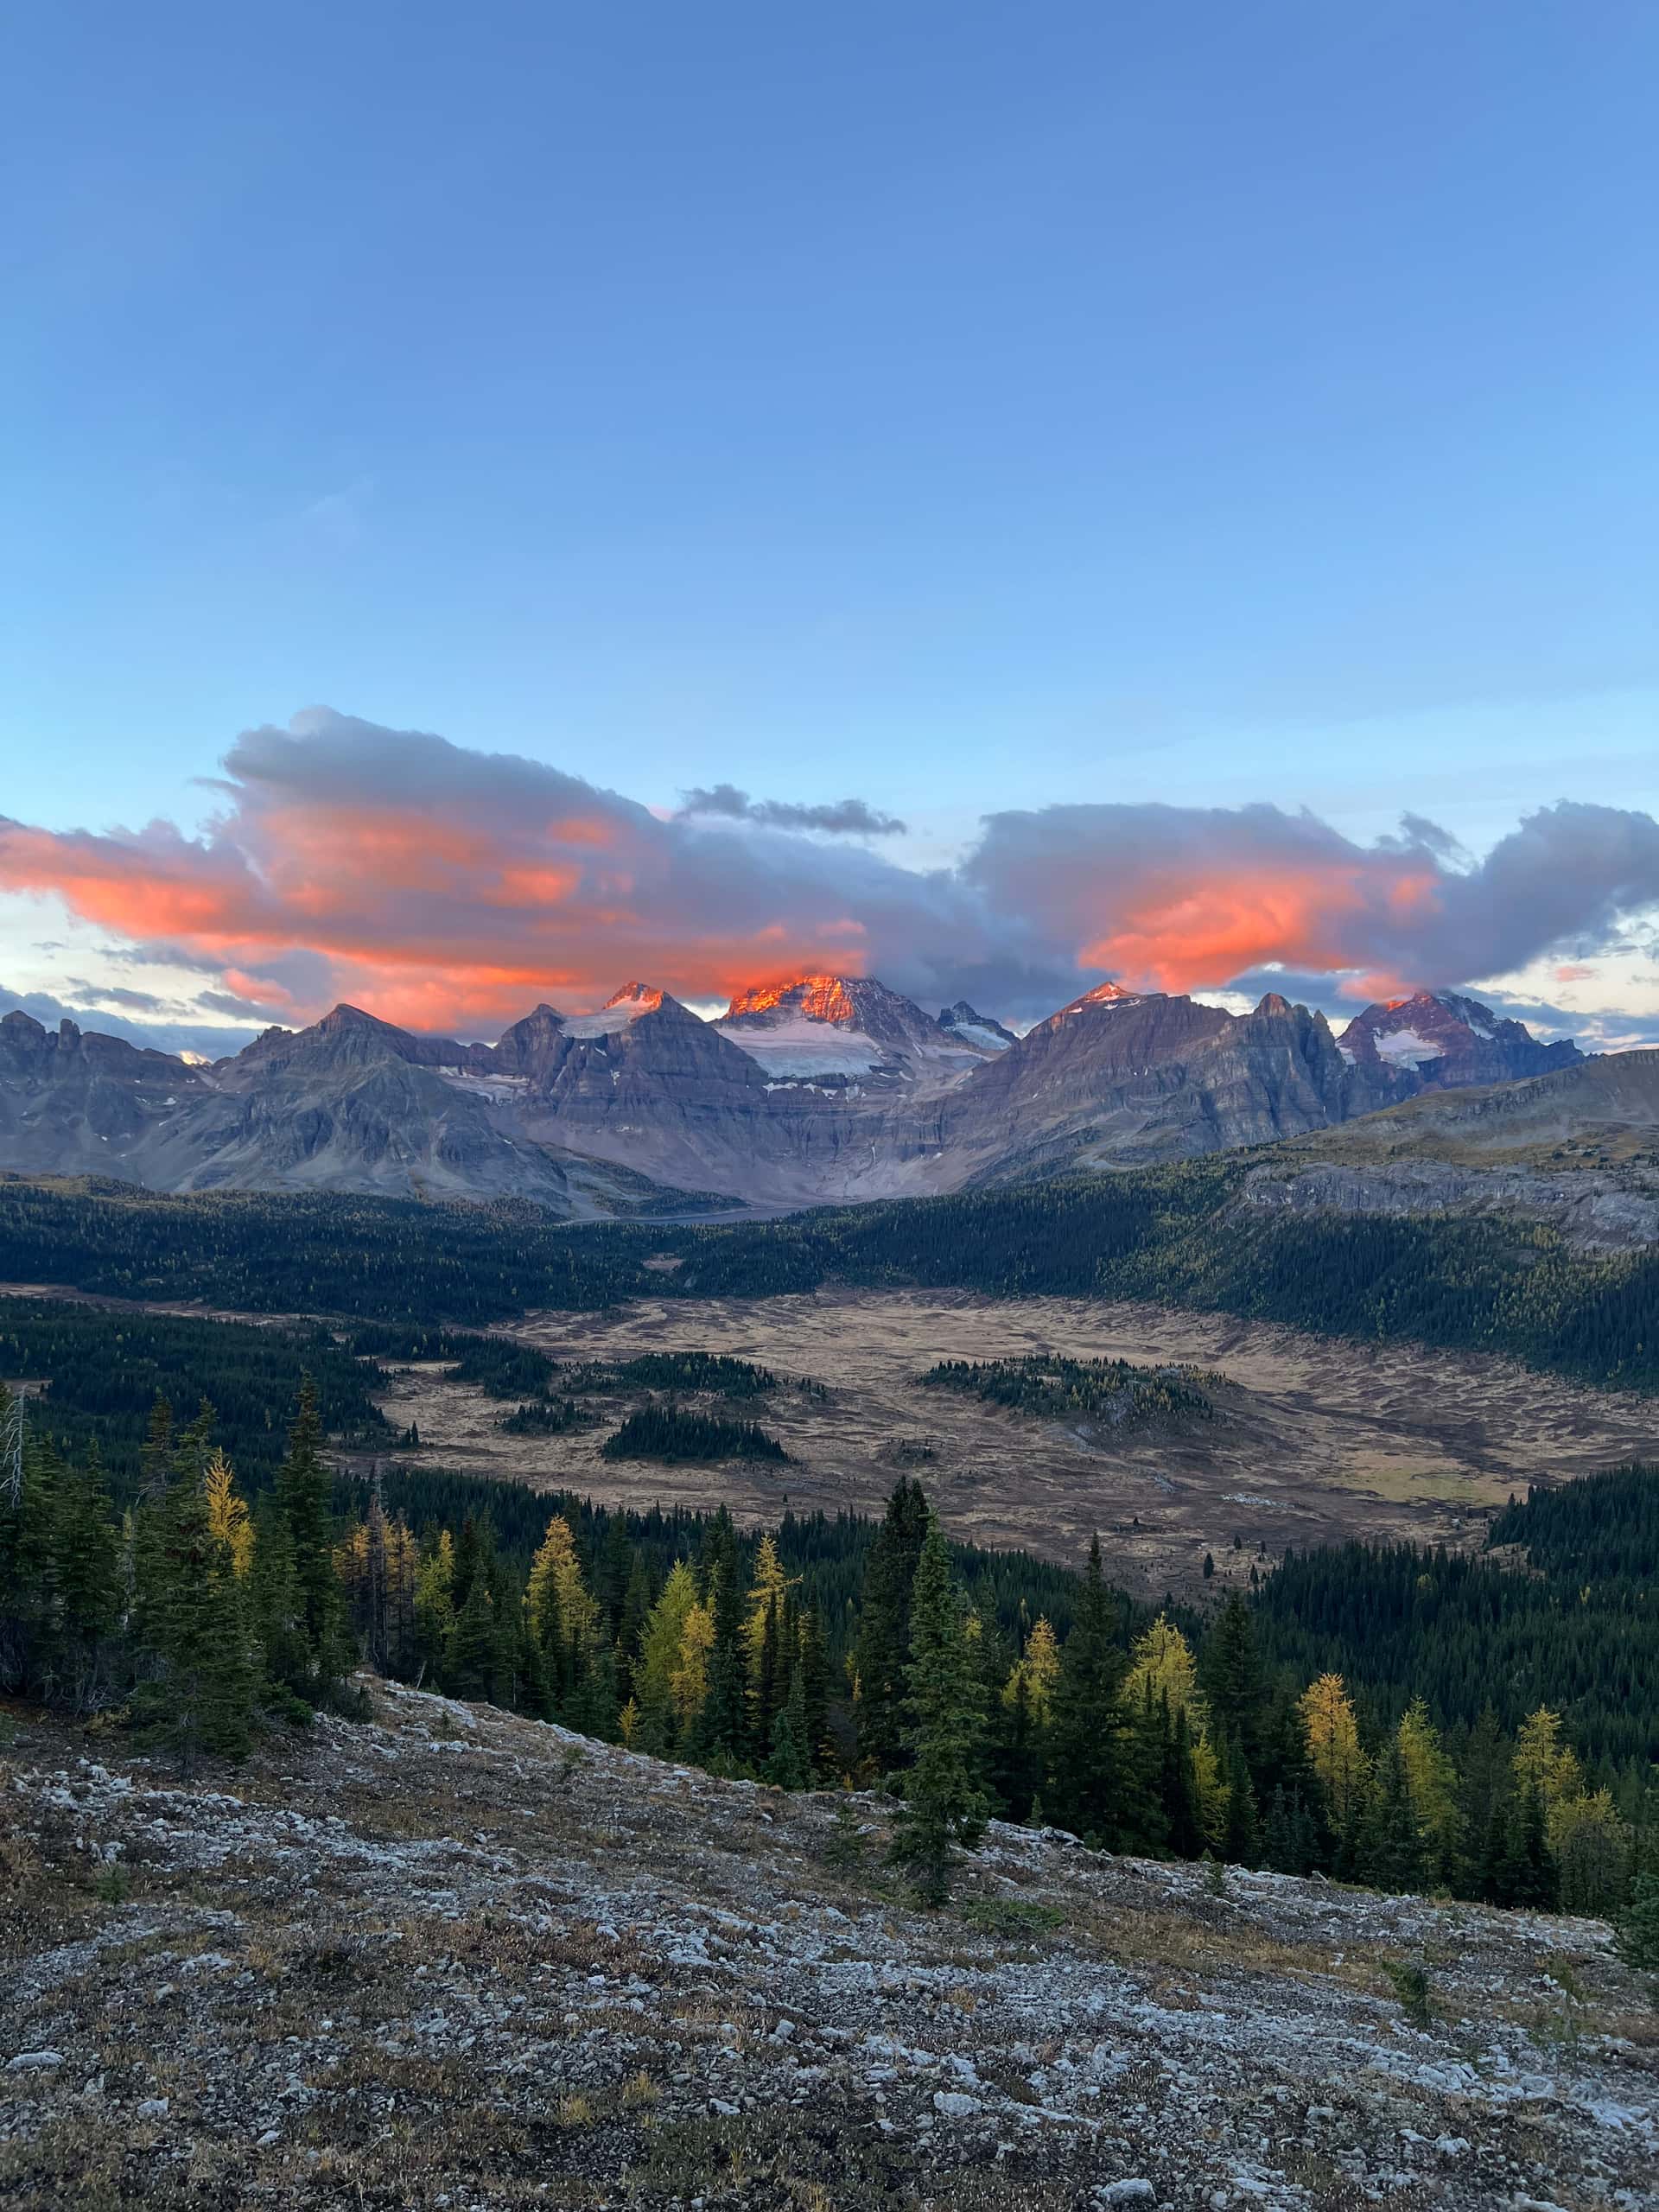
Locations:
(846, 818)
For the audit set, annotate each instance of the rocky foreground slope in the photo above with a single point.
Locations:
(454, 1958)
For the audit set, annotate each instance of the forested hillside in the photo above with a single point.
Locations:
(1396, 1718)
(98, 1369)
(1172, 1234)
(386, 1258)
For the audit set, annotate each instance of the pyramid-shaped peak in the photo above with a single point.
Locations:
(1103, 993)
(645, 996)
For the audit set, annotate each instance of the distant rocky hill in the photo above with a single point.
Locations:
(1577, 1147)
(454, 1957)
(825, 1087)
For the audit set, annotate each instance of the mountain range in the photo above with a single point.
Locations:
(822, 1088)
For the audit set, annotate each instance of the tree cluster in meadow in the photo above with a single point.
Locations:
(1052, 1389)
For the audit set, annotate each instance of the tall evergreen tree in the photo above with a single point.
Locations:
(275, 1605)
(944, 1805)
(1088, 1778)
(1526, 1874)
(87, 1579)
(304, 1485)
(1242, 1841)
(209, 1680)
(27, 1526)
(1390, 1852)
(1233, 1679)
(881, 1654)
(721, 1730)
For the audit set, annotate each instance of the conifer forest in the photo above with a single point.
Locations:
(1407, 1720)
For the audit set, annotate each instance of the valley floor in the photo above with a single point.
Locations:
(454, 1958)
(1314, 1439)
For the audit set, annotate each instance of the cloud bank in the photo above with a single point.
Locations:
(450, 889)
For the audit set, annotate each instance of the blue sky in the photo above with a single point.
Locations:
(972, 408)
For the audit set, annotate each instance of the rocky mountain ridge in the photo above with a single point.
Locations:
(826, 1088)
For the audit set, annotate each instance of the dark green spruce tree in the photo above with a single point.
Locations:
(883, 1652)
(945, 1806)
(1089, 1783)
(303, 1487)
(204, 1696)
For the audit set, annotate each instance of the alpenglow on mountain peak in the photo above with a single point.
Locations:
(822, 1088)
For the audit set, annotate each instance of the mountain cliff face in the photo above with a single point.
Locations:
(1131, 1076)
(73, 1101)
(827, 1087)
(353, 1104)
(975, 1029)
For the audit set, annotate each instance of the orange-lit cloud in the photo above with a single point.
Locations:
(450, 890)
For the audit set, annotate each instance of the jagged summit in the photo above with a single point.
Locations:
(1107, 993)
(840, 1000)
(1444, 1039)
(628, 1004)
(839, 1026)
(965, 1022)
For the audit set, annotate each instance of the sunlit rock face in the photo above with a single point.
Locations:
(848, 1030)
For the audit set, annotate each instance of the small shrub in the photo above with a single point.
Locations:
(1011, 1916)
(846, 1844)
(1410, 1985)
(113, 1886)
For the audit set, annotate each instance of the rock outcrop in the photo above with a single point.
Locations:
(74, 1102)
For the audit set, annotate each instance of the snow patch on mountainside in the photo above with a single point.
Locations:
(806, 1047)
(1405, 1048)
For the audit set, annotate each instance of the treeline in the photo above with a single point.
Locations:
(825, 1555)
(192, 1614)
(1180, 1234)
(825, 1651)
(1579, 1628)
(385, 1259)
(1058, 1390)
(711, 1372)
